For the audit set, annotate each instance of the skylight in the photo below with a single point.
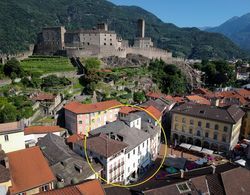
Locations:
(183, 187)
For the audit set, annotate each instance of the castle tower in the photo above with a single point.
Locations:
(141, 28)
(102, 26)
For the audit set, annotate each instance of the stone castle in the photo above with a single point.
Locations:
(98, 42)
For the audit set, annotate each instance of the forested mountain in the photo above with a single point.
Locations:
(237, 29)
(20, 21)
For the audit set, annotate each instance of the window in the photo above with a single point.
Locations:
(134, 165)
(176, 127)
(80, 122)
(143, 145)
(225, 128)
(198, 133)
(216, 127)
(45, 188)
(224, 138)
(105, 44)
(183, 128)
(191, 122)
(191, 130)
(206, 134)
(128, 169)
(88, 43)
(215, 136)
(184, 120)
(134, 151)
(207, 125)
(199, 123)
(128, 155)
(6, 138)
(110, 39)
(105, 39)
(176, 118)
(111, 44)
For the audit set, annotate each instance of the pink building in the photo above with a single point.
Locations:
(81, 118)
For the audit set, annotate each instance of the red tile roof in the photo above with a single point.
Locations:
(155, 112)
(202, 91)
(79, 108)
(198, 99)
(243, 92)
(88, 188)
(127, 109)
(43, 96)
(91, 188)
(41, 129)
(155, 94)
(75, 138)
(28, 169)
(232, 94)
(179, 99)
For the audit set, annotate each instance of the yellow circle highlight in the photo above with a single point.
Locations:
(142, 182)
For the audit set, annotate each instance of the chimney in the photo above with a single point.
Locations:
(214, 168)
(6, 161)
(182, 173)
(141, 28)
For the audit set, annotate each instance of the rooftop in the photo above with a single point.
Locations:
(63, 160)
(42, 129)
(43, 97)
(74, 138)
(79, 108)
(229, 115)
(236, 181)
(92, 187)
(11, 127)
(120, 131)
(104, 146)
(198, 99)
(26, 167)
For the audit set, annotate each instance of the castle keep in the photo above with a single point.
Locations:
(98, 42)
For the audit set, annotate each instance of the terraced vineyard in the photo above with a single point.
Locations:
(44, 65)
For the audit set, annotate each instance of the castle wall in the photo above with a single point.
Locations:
(150, 52)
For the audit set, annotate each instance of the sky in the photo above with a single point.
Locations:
(192, 13)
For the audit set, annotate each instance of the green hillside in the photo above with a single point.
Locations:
(20, 21)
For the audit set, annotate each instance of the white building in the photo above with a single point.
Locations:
(109, 152)
(12, 136)
(33, 133)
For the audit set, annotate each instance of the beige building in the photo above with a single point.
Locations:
(12, 136)
(206, 126)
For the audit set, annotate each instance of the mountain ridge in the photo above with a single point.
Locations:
(237, 29)
(22, 21)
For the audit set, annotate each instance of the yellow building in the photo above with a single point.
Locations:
(206, 126)
(245, 129)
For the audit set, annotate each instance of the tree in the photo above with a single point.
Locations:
(13, 69)
(139, 97)
(53, 81)
(8, 112)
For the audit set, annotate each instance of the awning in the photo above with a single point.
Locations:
(196, 148)
(186, 146)
(241, 162)
(207, 151)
